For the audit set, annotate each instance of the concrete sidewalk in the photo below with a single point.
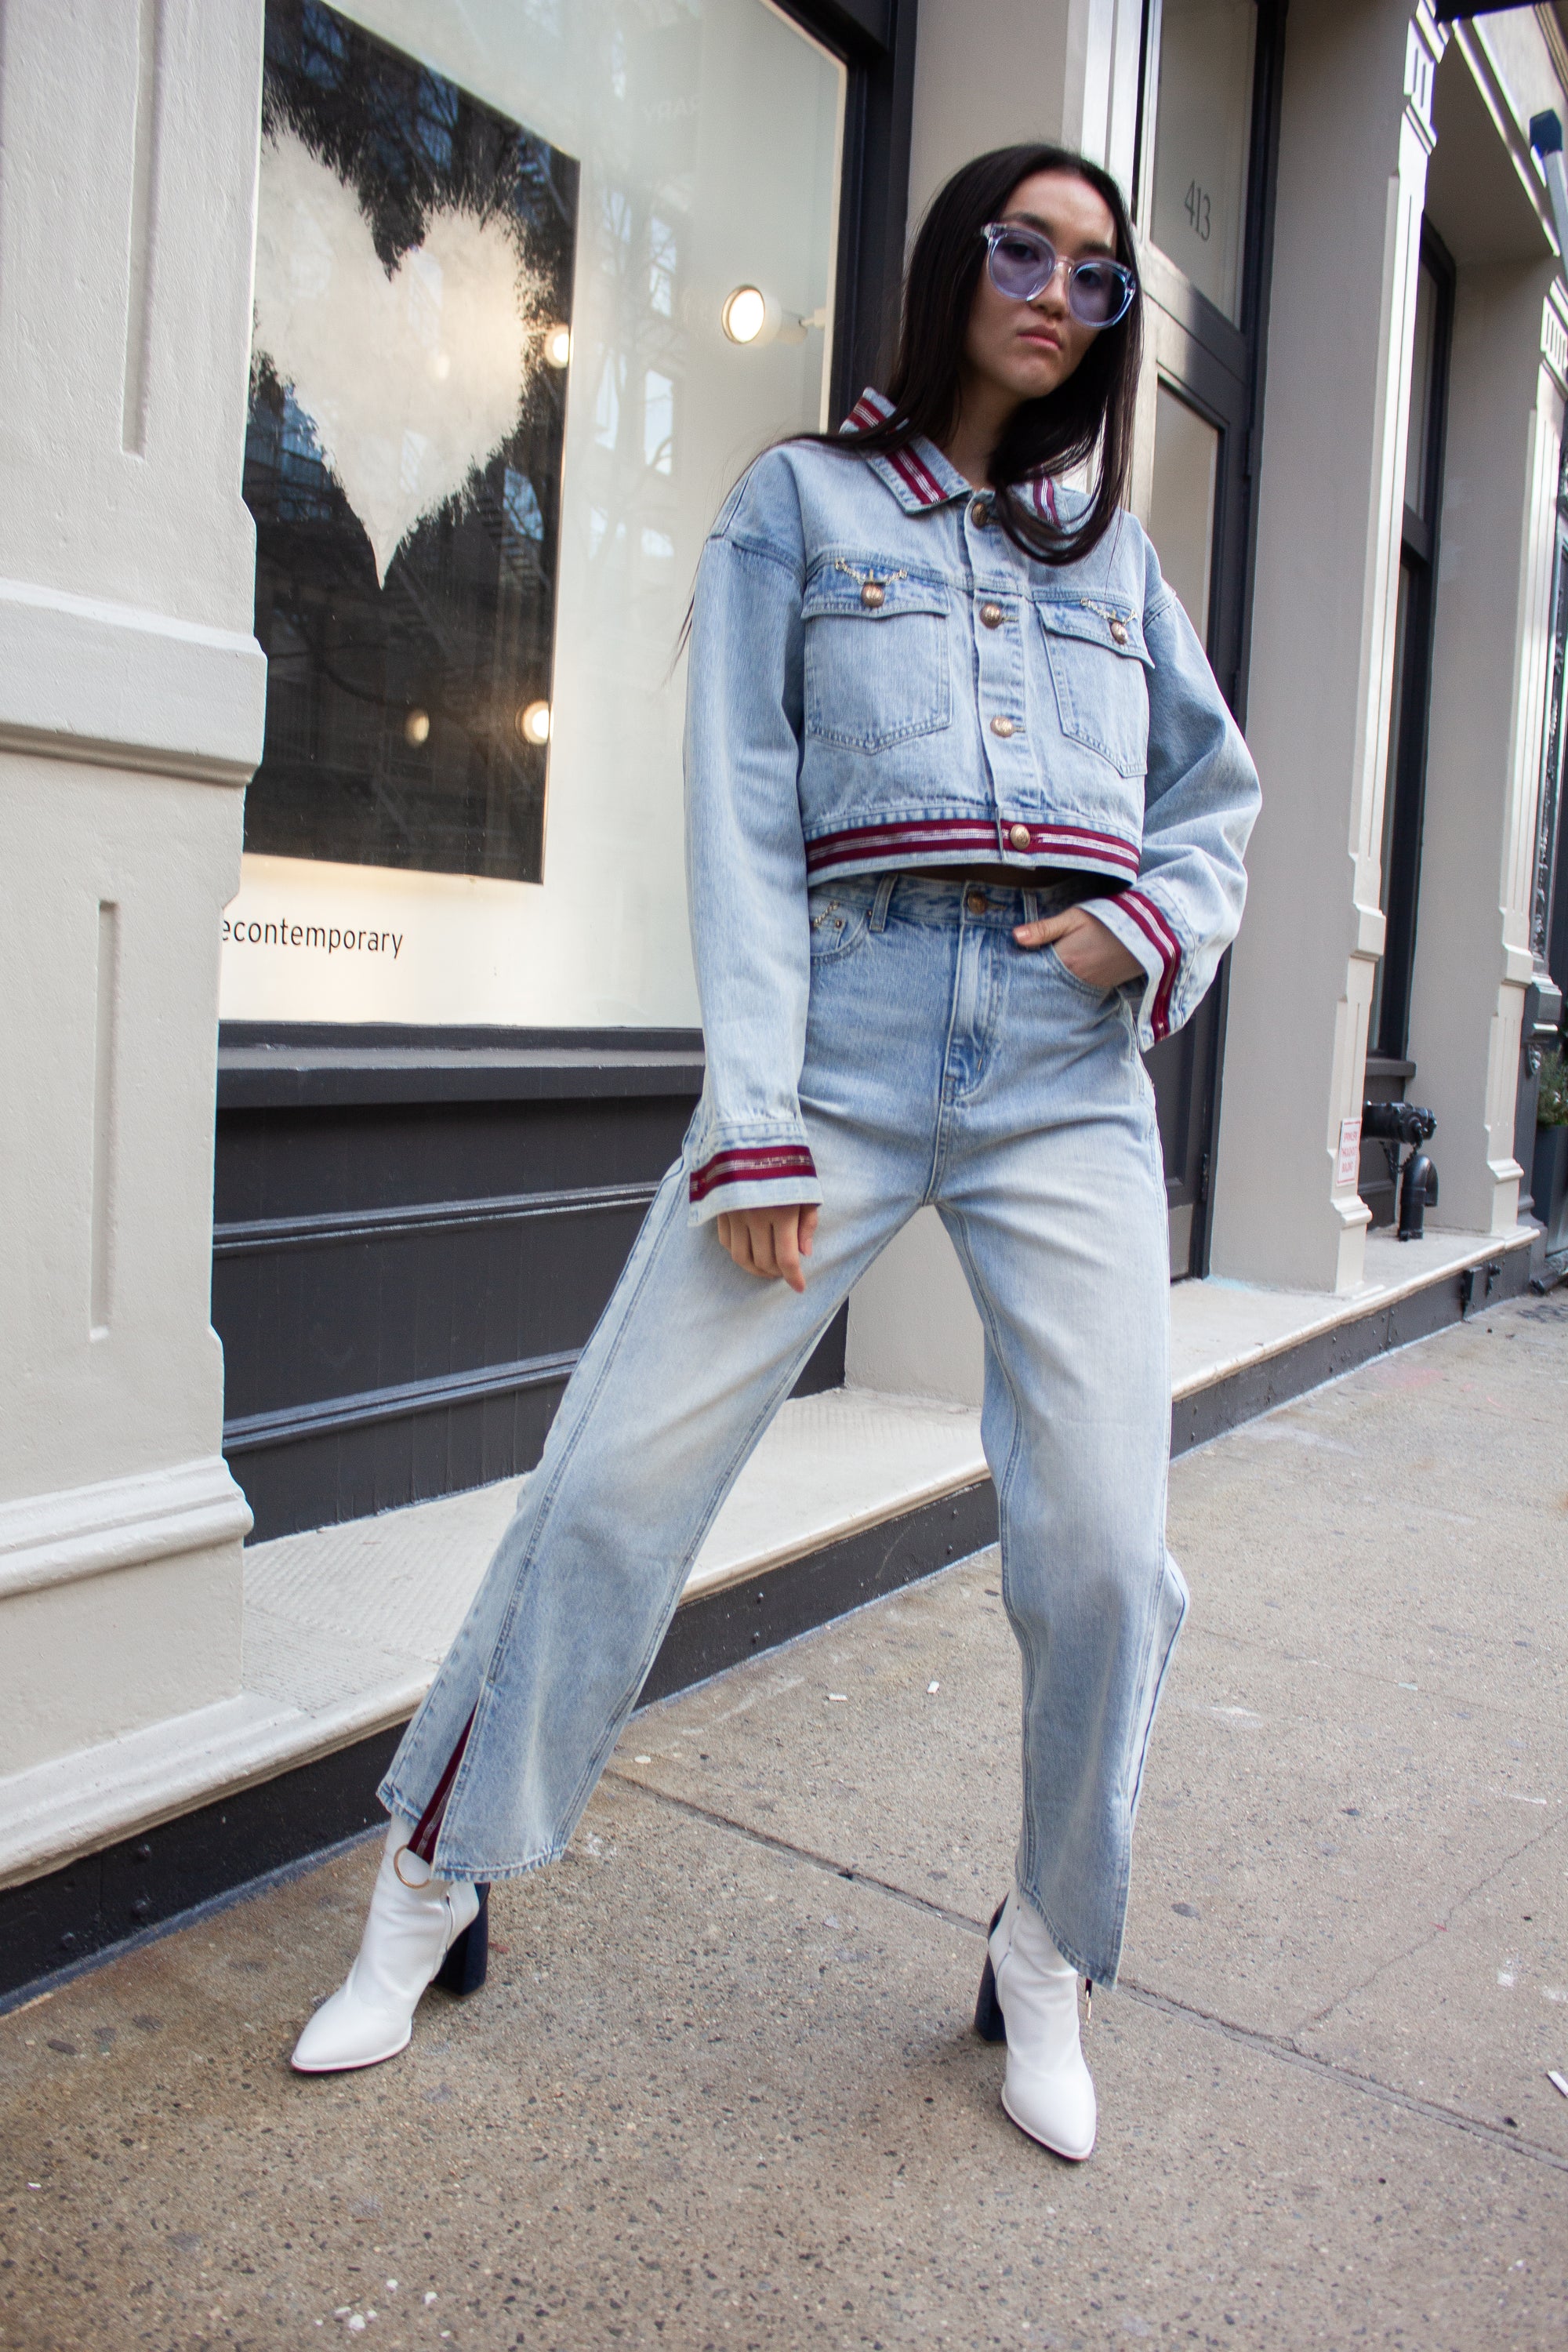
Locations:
(721, 2090)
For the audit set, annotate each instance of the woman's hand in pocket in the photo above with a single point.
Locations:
(770, 1241)
(1090, 952)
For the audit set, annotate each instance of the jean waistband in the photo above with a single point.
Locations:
(943, 901)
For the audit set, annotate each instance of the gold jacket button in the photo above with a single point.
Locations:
(1018, 836)
(1118, 632)
(1000, 726)
(992, 615)
(979, 513)
(873, 594)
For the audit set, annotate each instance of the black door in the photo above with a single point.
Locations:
(1203, 201)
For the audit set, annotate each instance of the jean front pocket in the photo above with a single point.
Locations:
(839, 921)
(1098, 659)
(876, 655)
(1091, 989)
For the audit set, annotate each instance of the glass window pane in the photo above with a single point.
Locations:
(1203, 136)
(1423, 386)
(1181, 505)
(540, 207)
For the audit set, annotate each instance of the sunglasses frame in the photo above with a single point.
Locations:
(995, 231)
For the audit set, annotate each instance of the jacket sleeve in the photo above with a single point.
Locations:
(745, 852)
(1200, 800)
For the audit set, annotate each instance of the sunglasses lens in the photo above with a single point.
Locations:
(1099, 293)
(1020, 265)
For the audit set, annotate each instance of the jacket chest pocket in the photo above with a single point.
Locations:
(876, 657)
(1097, 659)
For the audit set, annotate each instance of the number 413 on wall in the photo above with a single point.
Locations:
(1197, 209)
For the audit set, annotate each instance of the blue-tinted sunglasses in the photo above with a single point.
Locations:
(1023, 263)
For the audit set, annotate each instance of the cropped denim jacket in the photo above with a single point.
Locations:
(881, 680)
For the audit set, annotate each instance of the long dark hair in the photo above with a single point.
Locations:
(1087, 417)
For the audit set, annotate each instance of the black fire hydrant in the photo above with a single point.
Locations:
(1393, 1125)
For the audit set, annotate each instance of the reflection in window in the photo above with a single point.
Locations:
(661, 268)
(607, 405)
(1203, 138)
(658, 422)
(437, 120)
(522, 505)
(322, 47)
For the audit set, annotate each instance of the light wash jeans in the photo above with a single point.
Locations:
(943, 1063)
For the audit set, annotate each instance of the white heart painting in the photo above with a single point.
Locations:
(412, 381)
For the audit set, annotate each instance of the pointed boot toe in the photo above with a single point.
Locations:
(420, 1928)
(1047, 2090)
(348, 2031)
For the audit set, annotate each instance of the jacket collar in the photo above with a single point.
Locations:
(919, 476)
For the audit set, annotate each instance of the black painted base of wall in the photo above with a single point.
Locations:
(54, 1926)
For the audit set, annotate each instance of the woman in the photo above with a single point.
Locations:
(965, 820)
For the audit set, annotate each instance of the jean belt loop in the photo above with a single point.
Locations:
(1031, 906)
(882, 901)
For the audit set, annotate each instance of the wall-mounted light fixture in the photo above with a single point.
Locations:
(749, 316)
(533, 722)
(557, 345)
(416, 728)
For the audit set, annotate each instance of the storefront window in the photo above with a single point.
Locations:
(1203, 137)
(472, 579)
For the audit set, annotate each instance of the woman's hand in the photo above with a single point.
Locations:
(770, 1241)
(1089, 951)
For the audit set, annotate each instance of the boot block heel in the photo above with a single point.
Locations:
(464, 1970)
(988, 2019)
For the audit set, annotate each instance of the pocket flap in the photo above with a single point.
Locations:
(869, 591)
(1115, 626)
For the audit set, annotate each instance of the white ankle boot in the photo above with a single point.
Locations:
(420, 1928)
(1029, 1997)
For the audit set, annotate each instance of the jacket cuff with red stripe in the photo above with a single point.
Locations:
(1146, 931)
(767, 1174)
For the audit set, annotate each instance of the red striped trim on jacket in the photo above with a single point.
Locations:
(1163, 940)
(917, 841)
(1043, 491)
(874, 407)
(751, 1163)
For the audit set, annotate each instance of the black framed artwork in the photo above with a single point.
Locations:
(415, 254)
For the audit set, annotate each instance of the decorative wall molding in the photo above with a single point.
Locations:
(253, 1235)
(398, 1403)
(119, 1523)
(121, 687)
(1424, 49)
